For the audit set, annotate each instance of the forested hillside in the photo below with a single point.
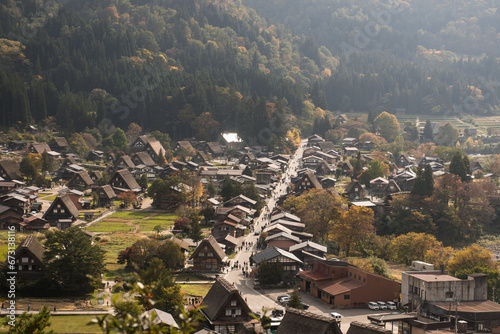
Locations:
(425, 56)
(186, 67)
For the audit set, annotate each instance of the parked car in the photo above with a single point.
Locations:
(284, 300)
(373, 306)
(304, 306)
(382, 305)
(336, 316)
(281, 297)
(391, 306)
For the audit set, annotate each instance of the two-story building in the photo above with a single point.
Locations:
(208, 256)
(224, 308)
(344, 285)
(29, 259)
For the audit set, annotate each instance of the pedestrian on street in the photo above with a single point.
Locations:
(29, 307)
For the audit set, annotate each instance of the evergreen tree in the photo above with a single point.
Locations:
(160, 159)
(457, 166)
(428, 133)
(46, 163)
(120, 138)
(468, 170)
(424, 183)
(195, 231)
(295, 300)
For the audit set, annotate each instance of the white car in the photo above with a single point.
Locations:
(373, 306)
(382, 305)
(391, 306)
(336, 316)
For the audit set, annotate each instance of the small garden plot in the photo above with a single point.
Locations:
(196, 290)
(131, 215)
(111, 227)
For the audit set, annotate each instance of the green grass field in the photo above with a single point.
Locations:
(69, 324)
(110, 227)
(199, 290)
(130, 215)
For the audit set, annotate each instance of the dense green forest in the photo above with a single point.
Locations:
(185, 66)
(180, 66)
(425, 56)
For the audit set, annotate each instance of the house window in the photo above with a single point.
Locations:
(364, 279)
(237, 311)
(58, 206)
(359, 278)
(210, 254)
(62, 210)
(228, 312)
(354, 275)
(350, 274)
(448, 294)
(231, 329)
(55, 210)
(24, 260)
(347, 296)
(233, 302)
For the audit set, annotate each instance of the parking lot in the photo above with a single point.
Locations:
(318, 307)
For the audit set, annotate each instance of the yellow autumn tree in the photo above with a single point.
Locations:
(470, 260)
(353, 227)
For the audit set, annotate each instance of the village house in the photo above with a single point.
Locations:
(9, 170)
(291, 263)
(346, 168)
(139, 144)
(308, 251)
(349, 142)
(314, 140)
(221, 229)
(224, 308)
(241, 200)
(61, 213)
(323, 168)
(300, 322)
(34, 224)
(354, 190)
(80, 180)
(208, 256)
(214, 149)
(123, 181)
(183, 144)
(95, 175)
(29, 259)
(124, 162)
(344, 285)
(403, 161)
(377, 185)
(142, 158)
(58, 144)
(328, 182)
(106, 195)
(311, 162)
(282, 240)
(306, 182)
(154, 148)
(350, 151)
(10, 216)
(39, 148)
(201, 158)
